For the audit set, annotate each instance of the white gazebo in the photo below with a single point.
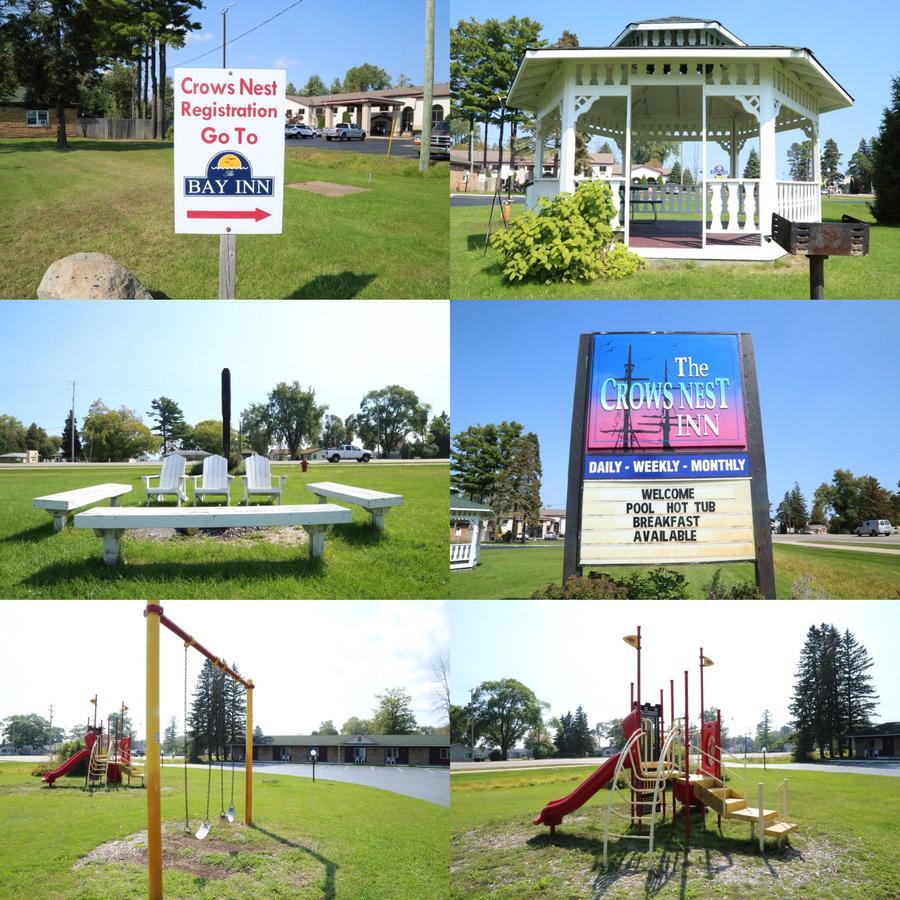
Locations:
(682, 80)
(467, 522)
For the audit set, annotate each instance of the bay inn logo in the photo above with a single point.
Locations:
(228, 174)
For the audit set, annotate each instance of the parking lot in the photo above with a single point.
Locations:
(377, 146)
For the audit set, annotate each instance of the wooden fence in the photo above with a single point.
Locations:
(117, 129)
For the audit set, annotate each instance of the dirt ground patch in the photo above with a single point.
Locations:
(282, 535)
(328, 188)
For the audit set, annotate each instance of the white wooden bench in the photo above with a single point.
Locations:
(110, 524)
(376, 503)
(60, 505)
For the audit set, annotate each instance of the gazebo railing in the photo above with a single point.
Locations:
(540, 187)
(800, 201)
(733, 205)
(460, 555)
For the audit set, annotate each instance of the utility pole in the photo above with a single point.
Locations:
(72, 430)
(50, 736)
(227, 241)
(428, 90)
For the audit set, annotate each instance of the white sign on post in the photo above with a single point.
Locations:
(229, 150)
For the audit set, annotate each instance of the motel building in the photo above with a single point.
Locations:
(876, 741)
(354, 749)
(379, 113)
(692, 82)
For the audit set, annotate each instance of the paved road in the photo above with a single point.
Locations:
(890, 540)
(431, 785)
(479, 199)
(376, 146)
(890, 548)
(889, 767)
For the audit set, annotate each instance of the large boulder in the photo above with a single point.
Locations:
(90, 276)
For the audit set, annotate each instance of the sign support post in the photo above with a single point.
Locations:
(576, 460)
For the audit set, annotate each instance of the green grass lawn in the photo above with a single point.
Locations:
(849, 828)
(326, 839)
(406, 560)
(804, 572)
(116, 197)
(877, 276)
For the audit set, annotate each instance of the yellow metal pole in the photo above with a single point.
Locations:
(154, 821)
(248, 760)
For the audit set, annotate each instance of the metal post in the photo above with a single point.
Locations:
(702, 707)
(227, 241)
(639, 671)
(72, 435)
(571, 550)
(817, 277)
(154, 820)
(687, 762)
(428, 88)
(226, 413)
(248, 761)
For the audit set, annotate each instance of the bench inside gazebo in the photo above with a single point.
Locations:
(684, 81)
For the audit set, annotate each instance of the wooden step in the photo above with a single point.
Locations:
(733, 804)
(751, 814)
(780, 829)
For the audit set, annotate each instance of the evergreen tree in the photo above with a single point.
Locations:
(799, 513)
(518, 489)
(480, 454)
(860, 169)
(831, 160)
(235, 710)
(688, 177)
(201, 729)
(170, 737)
(885, 167)
(805, 706)
(800, 160)
(71, 427)
(763, 735)
(314, 87)
(563, 737)
(874, 502)
(676, 174)
(606, 148)
(582, 738)
(170, 424)
(858, 697)
(751, 169)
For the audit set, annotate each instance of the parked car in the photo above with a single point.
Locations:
(440, 140)
(550, 536)
(292, 131)
(317, 132)
(304, 131)
(345, 131)
(874, 527)
(347, 451)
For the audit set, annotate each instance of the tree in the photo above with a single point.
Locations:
(518, 486)
(206, 436)
(70, 429)
(763, 731)
(860, 168)
(874, 501)
(29, 730)
(394, 714)
(259, 738)
(852, 499)
(54, 46)
(355, 725)
(290, 89)
(403, 81)
(170, 424)
(539, 742)
(440, 673)
(505, 711)
(439, 435)
(12, 435)
(885, 155)
(333, 431)
(294, 417)
(652, 152)
(612, 732)
(169, 21)
(858, 698)
(481, 452)
(200, 729)
(751, 169)
(831, 160)
(314, 87)
(688, 177)
(117, 434)
(366, 77)
(800, 160)
(255, 426)
(676, 173)
(170, 743)
(327, 727)
(459, 725)
(393, 412)
(336, 86)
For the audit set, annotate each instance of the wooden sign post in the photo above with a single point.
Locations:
(666, 461)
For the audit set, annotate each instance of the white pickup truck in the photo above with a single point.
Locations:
(347, 451)
(344, 131)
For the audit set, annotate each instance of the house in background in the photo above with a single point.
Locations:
(379, 113)
(876, 741)
(19, 118)
(354, 749)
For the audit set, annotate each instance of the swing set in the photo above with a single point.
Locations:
(216, 708)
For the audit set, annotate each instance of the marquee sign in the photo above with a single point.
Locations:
(229, 150)
(666, 460)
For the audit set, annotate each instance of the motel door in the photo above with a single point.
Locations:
(285, 754)
(359, 754)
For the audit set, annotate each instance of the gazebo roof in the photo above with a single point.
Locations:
(540, 65)
(693, 30)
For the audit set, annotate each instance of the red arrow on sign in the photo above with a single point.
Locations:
(256, 214)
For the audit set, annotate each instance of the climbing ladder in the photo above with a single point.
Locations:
(98, 766)
(126, 766)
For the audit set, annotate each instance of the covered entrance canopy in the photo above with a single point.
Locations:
(684, 81)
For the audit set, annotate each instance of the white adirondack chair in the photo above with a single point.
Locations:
(258, 480)
(214, 481)
(171, 481)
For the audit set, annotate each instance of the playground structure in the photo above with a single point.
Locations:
(656, 756)
(109, 760)
(154, 618)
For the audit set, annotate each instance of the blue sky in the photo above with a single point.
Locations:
(857, 43)
(323, 38)
(573, 653)
(827, 374)
(129, 353)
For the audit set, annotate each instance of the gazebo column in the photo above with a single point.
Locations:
(475, 543)
(567, 139)
(538, 149)
(768, 174)
(817, 167)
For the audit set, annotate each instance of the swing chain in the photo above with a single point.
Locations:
(221, 729)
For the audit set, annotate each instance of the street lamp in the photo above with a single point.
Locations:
(224, 13)
(314, 755)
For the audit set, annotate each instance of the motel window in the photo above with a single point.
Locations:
(445, 753)
(392, 753)
(37, 118)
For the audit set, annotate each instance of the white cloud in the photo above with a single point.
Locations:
(285, 62)
(198, 37)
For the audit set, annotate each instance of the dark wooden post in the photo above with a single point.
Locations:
(226, 413)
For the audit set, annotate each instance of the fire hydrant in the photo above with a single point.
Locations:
(304, 464)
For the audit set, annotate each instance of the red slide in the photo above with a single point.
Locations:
(552, 814)
(67, 766)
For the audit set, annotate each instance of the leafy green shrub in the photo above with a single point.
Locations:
(495, 755)
(170, 133)
(716, 589)
(568, 239)
(657, 584)
(235, 463)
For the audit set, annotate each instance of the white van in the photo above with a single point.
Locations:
(874, 527)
